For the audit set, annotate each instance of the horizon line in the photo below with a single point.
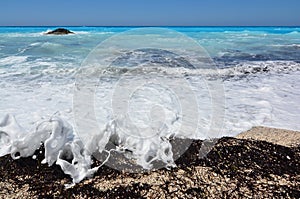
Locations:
(150, 26)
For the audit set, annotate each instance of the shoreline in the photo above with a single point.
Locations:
(261, 162)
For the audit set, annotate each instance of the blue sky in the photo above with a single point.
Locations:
(150, 12)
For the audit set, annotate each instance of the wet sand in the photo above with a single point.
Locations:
(260, 163)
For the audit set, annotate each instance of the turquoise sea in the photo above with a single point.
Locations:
(225, 44)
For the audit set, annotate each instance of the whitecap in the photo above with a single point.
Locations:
(13, 60)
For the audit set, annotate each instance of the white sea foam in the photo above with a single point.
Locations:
(286, 45)
(18, 35)
(59, 142)
(13, 60)
(257, 93)
(293, 33)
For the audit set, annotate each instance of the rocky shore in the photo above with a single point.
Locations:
(260, 163)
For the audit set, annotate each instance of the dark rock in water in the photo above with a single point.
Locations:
(60, 31)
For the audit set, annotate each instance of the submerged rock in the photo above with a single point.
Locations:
(60, 31)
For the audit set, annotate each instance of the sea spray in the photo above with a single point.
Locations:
(63, 147)
(60, 142)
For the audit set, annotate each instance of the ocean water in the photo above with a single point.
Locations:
(258, 69)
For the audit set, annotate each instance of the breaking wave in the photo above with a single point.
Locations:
(64, 147)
